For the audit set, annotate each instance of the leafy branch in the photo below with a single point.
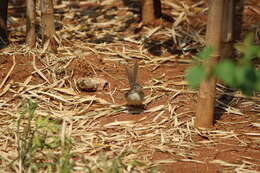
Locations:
(241, 74)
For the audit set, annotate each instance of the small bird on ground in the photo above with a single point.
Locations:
(135, 96)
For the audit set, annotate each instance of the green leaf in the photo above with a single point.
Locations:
(225, 71)
(241, 75)
(249, 40)
(258, 53)
(248, 48)
(45, 123)
(53, 142)
(195, 75)
(246, 74)
(240, 47)
(251, 53)
(247, 79)
(257, 85)
(205, 53)
(31, 108)
(37, 142)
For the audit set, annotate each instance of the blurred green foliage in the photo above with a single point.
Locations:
(39, 144)
(241, 74)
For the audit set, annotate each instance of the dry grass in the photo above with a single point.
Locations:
(75, 140)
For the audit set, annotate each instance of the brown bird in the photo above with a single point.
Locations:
(135, 95)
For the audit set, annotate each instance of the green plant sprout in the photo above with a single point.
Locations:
(37, 138)
(40, 148)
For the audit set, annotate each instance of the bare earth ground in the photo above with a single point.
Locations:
(96, 41)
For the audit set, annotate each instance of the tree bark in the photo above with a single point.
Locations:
(30, 23)
(157, 8)
(47, 19)
(228, 29)
(207, 90)
(238, 10)
(3, 23)
(151, 10)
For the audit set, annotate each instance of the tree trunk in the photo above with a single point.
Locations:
(30, 23)
(151, 10)
(228, 29)
(207, 90)
(47, 20)
(238, 8)
(3, 24)
(157, 8)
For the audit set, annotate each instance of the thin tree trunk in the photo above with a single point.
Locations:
(207, 90)
(151, 10)
(238, 8)
(30, 23)
(3, 23)
(157, 8)
(228, 29)
(47, 20)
